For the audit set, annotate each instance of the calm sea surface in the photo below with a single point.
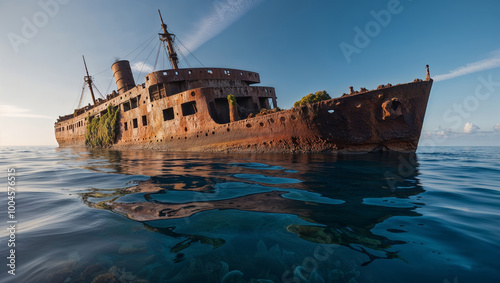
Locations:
(128, 216)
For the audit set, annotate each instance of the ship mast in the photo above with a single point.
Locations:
(167, 37)
(88, 80)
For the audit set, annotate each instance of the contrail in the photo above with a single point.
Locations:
(222, 15)
(486, 64)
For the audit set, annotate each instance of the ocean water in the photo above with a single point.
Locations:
(129, 216)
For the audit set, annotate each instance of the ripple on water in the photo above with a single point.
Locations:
(258, 166)
(311, 197)
(390, 202)
(267, 179)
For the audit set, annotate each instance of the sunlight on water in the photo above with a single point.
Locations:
(140, 216)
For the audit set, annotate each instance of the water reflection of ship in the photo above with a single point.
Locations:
(351, 178)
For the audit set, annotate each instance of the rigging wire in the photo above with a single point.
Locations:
(182, 55)
(98, 90)
(154, 35)
(109, 86)
(81, 96)
(94, 83)
(143, 49)
(158, 55)
(163, 59)
(149, 40)
(191, 53)
(144, 63)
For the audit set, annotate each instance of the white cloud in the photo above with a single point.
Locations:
(142, 67)
(486, 64)
(470, 128)
(18, 112)
(222, 15)
(496, 128)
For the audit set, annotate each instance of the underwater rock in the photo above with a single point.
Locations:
(224, 269)
(335, 275)
(62, 272)
(92, 271)
(315, 277)
(234, 276)
(59, 276)
(298, 273)
(121, 274)
(106, 278)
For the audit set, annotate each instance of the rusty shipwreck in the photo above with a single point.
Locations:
(188, 110)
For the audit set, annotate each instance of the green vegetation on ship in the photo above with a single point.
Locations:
(102, 131)
(311, 98)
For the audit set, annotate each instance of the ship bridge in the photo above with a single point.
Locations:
(169, 82)
(195, 74)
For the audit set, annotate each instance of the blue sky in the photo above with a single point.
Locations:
(298, 47)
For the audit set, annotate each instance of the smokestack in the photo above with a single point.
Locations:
(123, 76)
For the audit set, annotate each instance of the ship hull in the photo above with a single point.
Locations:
(386, 119)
